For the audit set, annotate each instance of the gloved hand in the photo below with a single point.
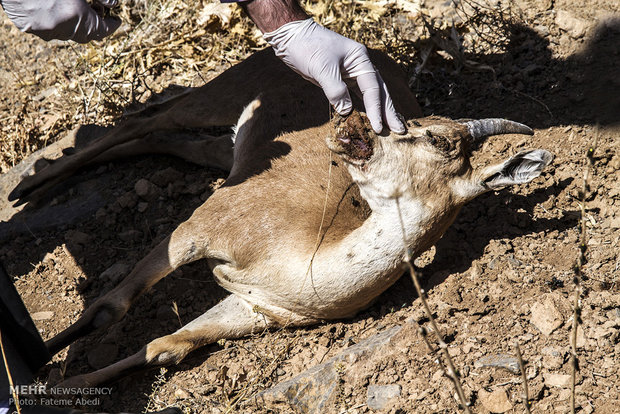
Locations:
(61, 19)
(325, 58)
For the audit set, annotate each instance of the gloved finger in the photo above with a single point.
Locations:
(391, 117)
(371, 91)
(94, 27)
(378, 103)
(336, 92)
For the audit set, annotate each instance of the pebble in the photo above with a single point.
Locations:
(496, 401)
(49, 258)
(546, 317)
(142, 207)
(42, 316)
(380, 395)
(77, 237)
(164, 177)
(553, 358)
(557, 380)
(128, 200)
(181, 394)
(146, 190)
(499, 361)
(574, 26)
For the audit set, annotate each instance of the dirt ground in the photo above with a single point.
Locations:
(506, 263)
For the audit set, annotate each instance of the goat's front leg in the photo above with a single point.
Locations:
(179, 248)
(231, 318)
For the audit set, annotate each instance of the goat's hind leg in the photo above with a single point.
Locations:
(41, 181)
(231, 318)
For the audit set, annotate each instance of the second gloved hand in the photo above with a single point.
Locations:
(61, 19)
(326, 58)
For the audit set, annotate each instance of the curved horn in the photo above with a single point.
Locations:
(481, 128)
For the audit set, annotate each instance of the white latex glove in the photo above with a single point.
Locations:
(61, 19)
(324, 58)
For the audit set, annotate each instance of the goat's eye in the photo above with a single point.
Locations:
(440, 142)
(431, 138)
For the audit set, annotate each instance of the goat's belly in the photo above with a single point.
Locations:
(305, 297)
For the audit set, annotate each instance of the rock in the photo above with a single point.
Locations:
(575, 27)
(77, 237)
(42, 316)
(614, 222)
(380, 395)
(142, 207)
(546, 317)
(499, 361)
(181, 394)
(314, 390)
(102, 355)
(553, 358)
(496, 401)
(115, 272)
(146, 190)
(128, 200)
(557, 380)
(49, 258)
(164, 177)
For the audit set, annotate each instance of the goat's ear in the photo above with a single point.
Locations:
(519, 169)
(352, 138)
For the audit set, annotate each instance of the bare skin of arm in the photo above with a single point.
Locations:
(268, 15)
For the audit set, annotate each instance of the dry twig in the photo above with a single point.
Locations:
(581, 261)
(452, 373)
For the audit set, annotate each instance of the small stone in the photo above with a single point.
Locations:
(380, 395)
(557, 380)
(128, 200)
(102, 355)
(181, 394)
(553, 358)
(164, 177)
(499, 361)
(545, 317)
(49, 258)
(42, 316)
(77, 237)
(146, 189)
(575, 27)
(496, 401)
(115, 272)
(142, 207)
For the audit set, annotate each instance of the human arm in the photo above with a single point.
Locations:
(324, 58)
(61, 19)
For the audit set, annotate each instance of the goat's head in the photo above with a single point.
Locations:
(430, 161)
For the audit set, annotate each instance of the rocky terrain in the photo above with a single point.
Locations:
(503, 273)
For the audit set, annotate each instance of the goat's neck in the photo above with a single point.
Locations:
(379, 243)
